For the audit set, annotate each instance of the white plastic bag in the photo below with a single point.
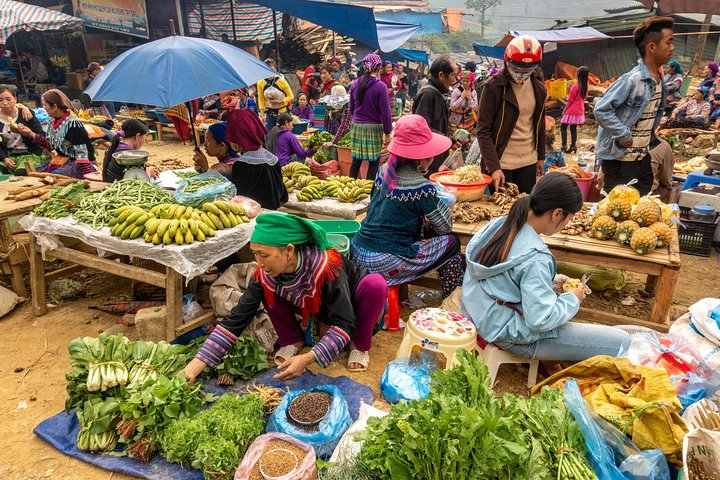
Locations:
(306, 469)
(252, 208)
(348, 448)
(708, 327)
(701, 454)
(8, 300)
(709, 352)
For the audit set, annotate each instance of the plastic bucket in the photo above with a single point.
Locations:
(340, 242)
(585, 184)
(343, 227)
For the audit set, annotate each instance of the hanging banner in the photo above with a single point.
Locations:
(125, 16)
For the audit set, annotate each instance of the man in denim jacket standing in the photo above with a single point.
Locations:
(631, 109)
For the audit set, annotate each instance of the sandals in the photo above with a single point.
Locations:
(284, 353)
(362, 358)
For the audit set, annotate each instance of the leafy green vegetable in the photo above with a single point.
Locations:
(216, 439)
(345, 141)
(317, 139)
(97, 418)
(245, 360)
(73, 193)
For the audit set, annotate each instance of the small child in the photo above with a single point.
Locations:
(553, 158)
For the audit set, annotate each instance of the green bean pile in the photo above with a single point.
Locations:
(195, 185)
(98, 209)
(53, 208)
(188, 174)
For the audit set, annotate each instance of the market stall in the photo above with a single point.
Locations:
(661, 266)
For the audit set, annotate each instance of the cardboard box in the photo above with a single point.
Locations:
(75, 80)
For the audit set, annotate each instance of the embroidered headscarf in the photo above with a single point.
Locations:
(372, 62)
(279, 229)
(245, 129)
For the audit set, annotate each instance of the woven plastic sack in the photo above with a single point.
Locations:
(323, 170)
(611, 453)
(223, 190)
(305, 470)
(403, 380)
(330, 429)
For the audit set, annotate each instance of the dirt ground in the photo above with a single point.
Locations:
(34, 358)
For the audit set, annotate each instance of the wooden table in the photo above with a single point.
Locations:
(147, 121)
(322, 209)
(662, 268)
(12, 253)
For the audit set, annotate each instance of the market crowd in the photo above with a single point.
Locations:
(403, 131)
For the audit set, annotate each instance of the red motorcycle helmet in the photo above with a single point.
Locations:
(523, 53)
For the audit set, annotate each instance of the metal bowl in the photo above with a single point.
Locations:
(712, 164)
(131, 157)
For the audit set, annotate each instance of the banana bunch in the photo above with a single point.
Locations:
(340, 179)
(354, 191)
(295, 169)
(129, 222)
(305, 181)
(289, 184)
(311, 192)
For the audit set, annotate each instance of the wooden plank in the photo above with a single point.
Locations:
(663, 298)
(37, 279)
(590, 315)
(8, 247)
(651, 283)
(110, 266)
(206, 317)
(426, 282)
(599, 260)
(173, 300)
(64, 272)
(11, 208)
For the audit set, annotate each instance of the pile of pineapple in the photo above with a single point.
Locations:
(643, 223)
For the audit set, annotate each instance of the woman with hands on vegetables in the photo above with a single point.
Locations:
(299, 273)
(283, 143)
(508, 290)
(22, 138)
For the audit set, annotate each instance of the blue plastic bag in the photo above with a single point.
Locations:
(224, 190)
(405, 381)
(444, 195)
(611, 453)
(330, 430)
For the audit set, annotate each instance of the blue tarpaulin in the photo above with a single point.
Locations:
(61, 430)
(349, 20)
(564, 35)
(487, 51)
(402, 54)
(431, 23)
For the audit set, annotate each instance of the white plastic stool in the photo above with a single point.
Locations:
(439, 331)
(494, 357)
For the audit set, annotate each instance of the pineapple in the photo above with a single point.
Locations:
(663, 232)
(647, 213)
(644, 240)
(620, 209)
(625, 230)
(603, 228)
(602, 209)
(625, 192)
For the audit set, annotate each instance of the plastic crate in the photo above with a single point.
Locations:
(341, 243)
(697, 237)
(342, 227)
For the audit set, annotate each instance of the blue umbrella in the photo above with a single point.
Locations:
(175, 70)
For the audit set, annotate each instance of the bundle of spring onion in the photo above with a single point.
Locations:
(99, 208)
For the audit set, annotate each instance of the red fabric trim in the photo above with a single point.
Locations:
(56, 122)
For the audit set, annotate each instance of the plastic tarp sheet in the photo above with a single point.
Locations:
(413, 55)
(350, 20)
(188, 260)
(328, 206)
(488, 51)
(565, 35)
(61, 430)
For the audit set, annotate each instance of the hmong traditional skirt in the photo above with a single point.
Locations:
(366, 141)
(398, 270)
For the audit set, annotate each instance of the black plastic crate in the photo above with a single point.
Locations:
(697, 237)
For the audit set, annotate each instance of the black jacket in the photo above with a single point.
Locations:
(432, 104)
(336, 309)
(263, 183)
(37, 147)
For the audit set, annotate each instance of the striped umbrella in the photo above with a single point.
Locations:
(16, 16)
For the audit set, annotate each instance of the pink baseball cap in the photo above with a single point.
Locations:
(414, 140)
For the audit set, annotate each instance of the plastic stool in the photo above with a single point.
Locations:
(696, 178)
(440, 331)
(392, 317)
(494, 357)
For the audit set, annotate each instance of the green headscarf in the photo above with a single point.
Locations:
(280, 229)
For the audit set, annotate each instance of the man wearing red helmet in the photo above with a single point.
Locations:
(511, 117)
(632, 108)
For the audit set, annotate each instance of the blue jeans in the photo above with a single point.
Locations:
(270, 120)
(575, 342)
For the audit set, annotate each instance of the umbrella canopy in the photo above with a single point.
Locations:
(668, 7)
(16, 16)
(175, 70)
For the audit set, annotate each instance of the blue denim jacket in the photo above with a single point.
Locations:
(618, 111)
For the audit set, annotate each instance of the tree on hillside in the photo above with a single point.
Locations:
(482, 6)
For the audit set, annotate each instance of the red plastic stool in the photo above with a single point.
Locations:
(392, 317)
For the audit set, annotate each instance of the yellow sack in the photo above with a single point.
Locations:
(639, 400)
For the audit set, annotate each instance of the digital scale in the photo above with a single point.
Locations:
(134, 162)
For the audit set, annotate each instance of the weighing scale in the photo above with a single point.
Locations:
(134, 162)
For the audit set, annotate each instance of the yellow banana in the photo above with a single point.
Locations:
(179, 237)
(137, 232)
(207, 230)
(193, 225)
(156, 239)
(189, 237)
(124, 208)
(173, 228)
(183, 226)
(167, 239)
(148, 238)
(221, 206)
(163, 227)
(170, 213)
(215, 220)
(113, 222)
(128, 230)
(206, 220)
(225, 220)
(180, 211)
(233, 219)
(210, 208)
(152, 225)
(200, 236)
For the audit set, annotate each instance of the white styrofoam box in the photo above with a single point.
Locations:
(700, 196)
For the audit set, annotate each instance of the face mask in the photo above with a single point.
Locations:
(520, 77)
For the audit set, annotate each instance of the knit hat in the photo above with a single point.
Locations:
(713, 68)
(219, 132)
(676, 65)
(372, 62)
(245, 129)
(280, 229)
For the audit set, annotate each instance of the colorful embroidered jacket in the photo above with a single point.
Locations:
(395, 218)
(330, 302)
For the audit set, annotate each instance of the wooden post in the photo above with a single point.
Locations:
(277, 40)
(6, 244)
(663, 297)
(174, 301)
(702, 39)
(232, 19)
(37, 279)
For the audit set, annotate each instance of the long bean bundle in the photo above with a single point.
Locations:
(98, 209)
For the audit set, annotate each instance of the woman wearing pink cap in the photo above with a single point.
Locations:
(391, 240)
